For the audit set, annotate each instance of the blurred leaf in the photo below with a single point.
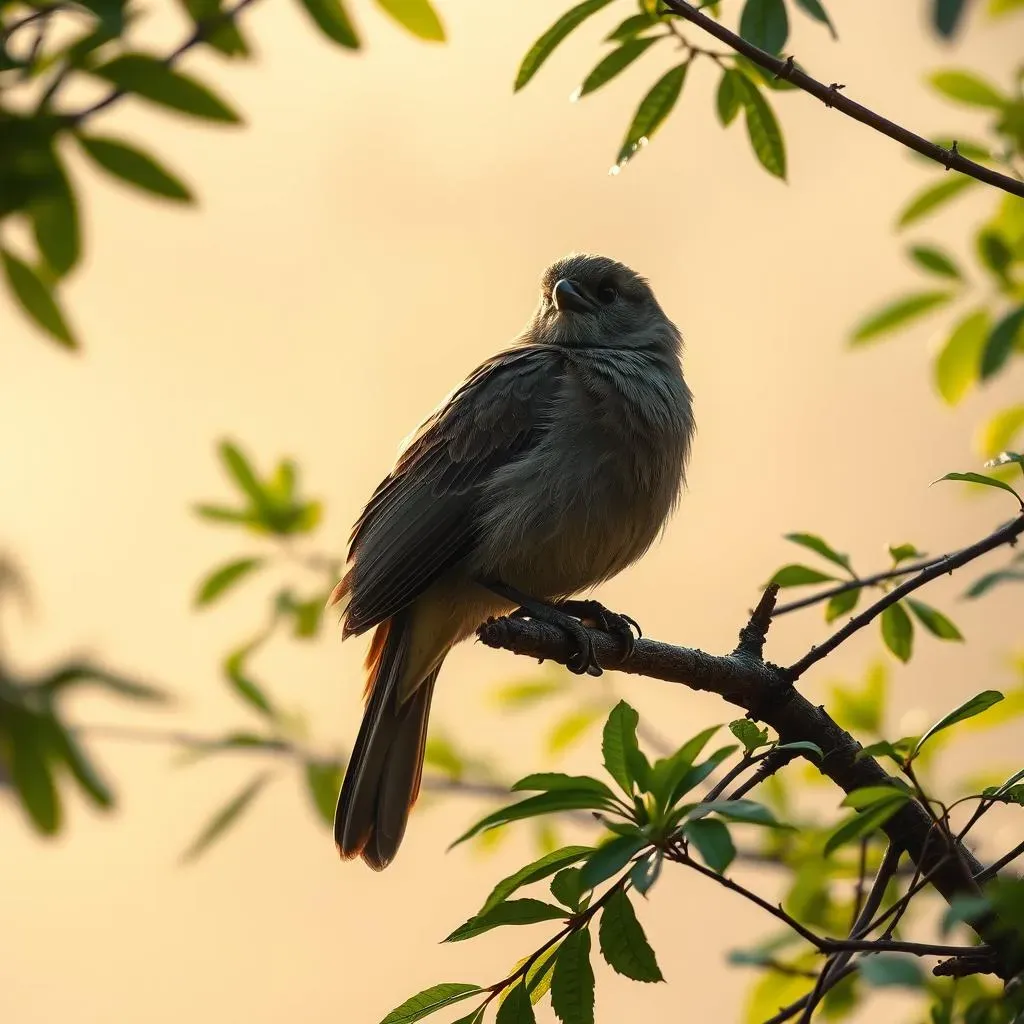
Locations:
(623, 942)
(978, 478)
(247, 689)
(618, 742)
(1009, 575)
(545, 45)
(134, 167)
(323, 781)
(935, 261)
(888, 969)
(36, 299)
(653, 110)
(840, 604)
(66, 747)
(224, 36)
(241, 470)
(931, 198)
(525, 911)
(762, 127)
(934, 621)
(225, 817)
(947, 15)
(527, 692)
(861, 711)
(83, 672)
(516, 1007)
(764, 23)
(614, 63)
(568, 729)
(975, 706)
(218, 513)
(32, 774)
(531, 807)
(863, 823)
(816, 11)
(1001, 341)
(549, 864)
(727, 99)
(966, 87)
(225, 577)
(429, 1001)
(749, 734)
(572, 985)
(417, 16)
(332, 19)
(151, 79)
(609, 859)
(994, 254)
(868, 796)
(898, 313)
(956, 368)
(799, 575)
(963, 908)
(1001, 430)
(630, 27)
(898, 631)
(773, 990)
(713, 842)
(54, 216)
(904, 552)
(441, 754)
(816, 544)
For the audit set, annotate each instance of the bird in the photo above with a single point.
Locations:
(552, 467)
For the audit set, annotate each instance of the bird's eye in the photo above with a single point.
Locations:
(607, 294)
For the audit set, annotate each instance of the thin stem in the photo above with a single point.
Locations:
(832, 96)
(789, 1012)
(993, 869)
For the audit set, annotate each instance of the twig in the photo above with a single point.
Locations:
(993, 869)
(774, 761)
(789, 1012)
(831, 96)
(754, 634)
(1004, 535)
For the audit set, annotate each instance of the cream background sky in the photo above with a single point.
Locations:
(378, 228)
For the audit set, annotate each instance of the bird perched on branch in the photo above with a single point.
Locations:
(551, 468)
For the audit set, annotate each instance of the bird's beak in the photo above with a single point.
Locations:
(568, 295)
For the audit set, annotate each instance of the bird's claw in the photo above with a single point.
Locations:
(619, 626)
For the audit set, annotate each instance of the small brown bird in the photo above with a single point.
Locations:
(551, 468)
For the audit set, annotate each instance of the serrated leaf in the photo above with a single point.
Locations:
(609, 859)
(727, 98)
(814, 543)
(651, 113)
(816, 11)
(898, 314)
(549, 864)
(623, 942)
(36, 298)
(323, 782)
(1001, 342)
(132, 165)
(523, 911)
(969, 709)
(618, 741)
(749, 734)
(713, 842)
(225, 818)
(841, 603)
(516, 1007)
(545, 45)
(934, 621)
(889, 969)
(765, 24)
(795, 575)
(417, 17)
(967, 87)
(531, 807)
(614, 63)
(762, 128)
(957, 364)
(225, 577)
(898, 631)
(429, 1001)
(863, 823)
(332, 19)
(935, 261)
(981, 479)
(572, 984)
(931, 198)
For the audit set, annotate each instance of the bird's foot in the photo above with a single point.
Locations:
(583, 660)
(613, 623)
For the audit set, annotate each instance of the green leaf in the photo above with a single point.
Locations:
(981, 479)
(54, 217)
(966, 87)
(630, 27)
(416, 16)
(67, 749)
(1000, 432)
(545, 45)
(764, 23)
(618, 742)
(614, 63)
(653, 110)
(558, 782)
(668, 771)
(762, 128)
(567, 888)
(323, 782)
(818, 545)
(969, 709)
(516, 1007)
(222, 579)
(956, 367)
(946, 16)
(572, 985)
(799, 575)
(962, 909)
(225, 818)
(226, 36)
(220, 514)
(332, 19)
(898, 631)
(36, 299)
(623, 942)
(727, 99)
(816, 11)
(533, 872)
(749, 734)
(934, 621)
(568, 729)
(713, 842)
(609, 859)
(903, 552)
(151, 79)
(898, 314)
(889, 969)
(698, 773)
(135, 167)
(246, 688)
(868, 796)
(985, 583)
(1007, 459)
(532, 807)
(429, 1001)
(995, 255)
(646, 871)
(840, 604)
(524, 694)
(1001, 341)
(935, 261)
(525, 911)
(77, 672)
(747, 811)
(804, 746)
(32, 774)
(241, 470)
(863, 823)
(931, 198)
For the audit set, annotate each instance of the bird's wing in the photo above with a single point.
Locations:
(420, 521)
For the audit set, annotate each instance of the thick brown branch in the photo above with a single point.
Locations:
(831, 96)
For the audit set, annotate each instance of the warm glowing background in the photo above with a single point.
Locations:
(377, 229)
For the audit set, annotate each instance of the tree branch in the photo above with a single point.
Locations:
(831, 96)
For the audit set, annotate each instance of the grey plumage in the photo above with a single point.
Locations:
(551, 468)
